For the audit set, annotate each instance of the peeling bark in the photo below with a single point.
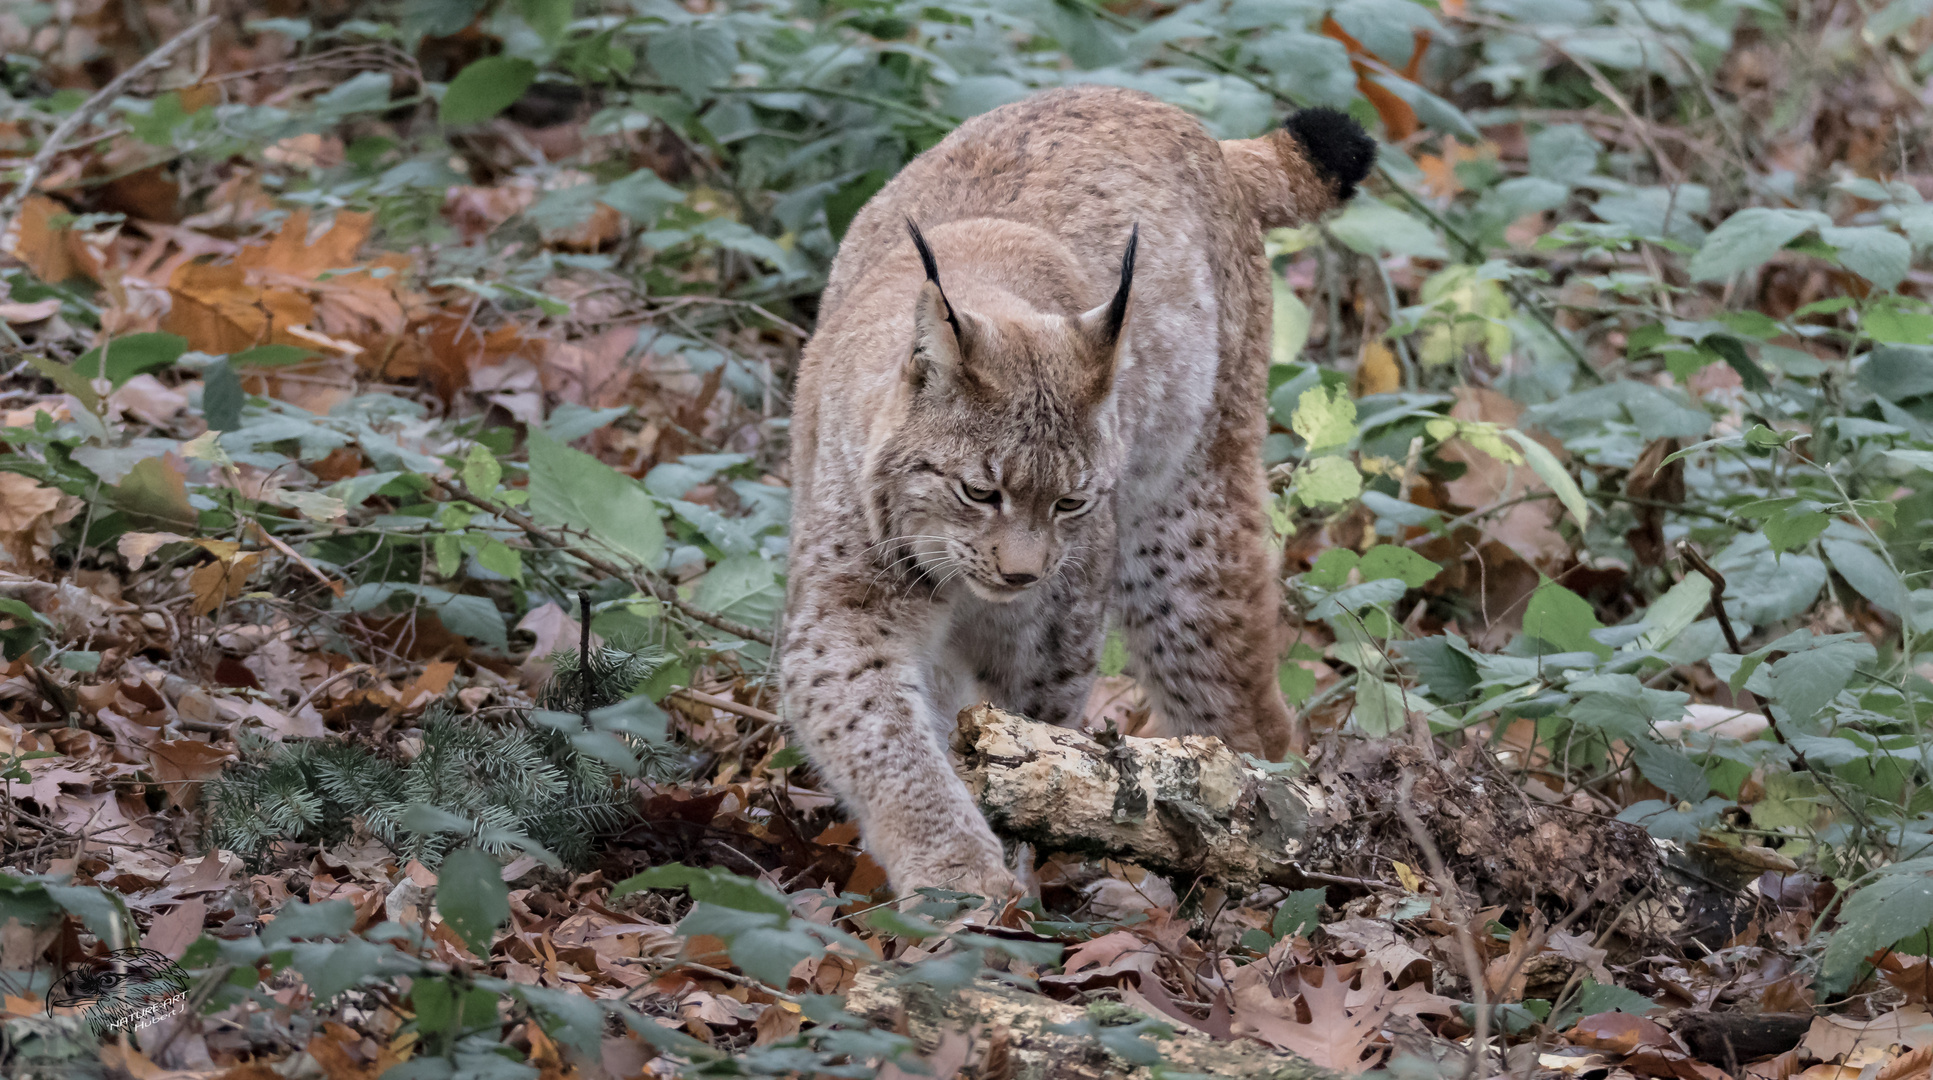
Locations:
(1186, 807)
(1191, 808)
(986, 1031)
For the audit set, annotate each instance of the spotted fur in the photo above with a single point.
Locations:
(1042, 399)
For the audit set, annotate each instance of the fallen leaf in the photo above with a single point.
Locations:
(1835, 1038)
(1620, 1033)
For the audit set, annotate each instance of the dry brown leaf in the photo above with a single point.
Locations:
(135, 547)
(217, 582)
(1335, 1037)
(173, 932)
(37, 243)
(180, 765)
(1835, 1038)
(1620, 1033)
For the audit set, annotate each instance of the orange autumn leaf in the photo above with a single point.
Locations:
(1399, 120)
(215, 308)
(215, 583)
(37, 243)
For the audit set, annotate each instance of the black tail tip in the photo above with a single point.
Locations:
(1338, 147)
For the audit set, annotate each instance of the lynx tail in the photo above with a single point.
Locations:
(1306, 167)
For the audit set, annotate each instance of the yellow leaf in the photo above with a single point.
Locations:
(218, 582)
(1377, 371)
(1407, 875)
(137, 546)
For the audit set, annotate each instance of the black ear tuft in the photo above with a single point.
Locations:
(926, 253)
(1117, 312)
(933, 275)
(1337, 146)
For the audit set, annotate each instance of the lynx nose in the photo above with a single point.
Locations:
(1019, 580)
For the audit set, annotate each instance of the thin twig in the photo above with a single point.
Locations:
(1460, 916)
(318, 688)
(79, 117)
(749, 712)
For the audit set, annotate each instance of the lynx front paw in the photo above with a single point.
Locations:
(971, 870)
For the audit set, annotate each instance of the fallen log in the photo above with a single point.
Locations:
(989, 1029)
(1193, 809)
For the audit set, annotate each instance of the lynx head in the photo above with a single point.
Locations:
(1001, 450)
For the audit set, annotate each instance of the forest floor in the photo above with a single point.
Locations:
(368, 375)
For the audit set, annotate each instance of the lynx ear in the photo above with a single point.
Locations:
(1102, 326)
(939, 343)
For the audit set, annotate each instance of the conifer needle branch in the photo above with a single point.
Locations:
(645, 583)
(584, 657)
(78, 119)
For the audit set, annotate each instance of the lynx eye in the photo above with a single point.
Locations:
(1071, 504)
(976, 493)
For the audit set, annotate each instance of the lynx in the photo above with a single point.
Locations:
(1035, 395)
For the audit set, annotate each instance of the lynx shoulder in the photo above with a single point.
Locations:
(1035, 397)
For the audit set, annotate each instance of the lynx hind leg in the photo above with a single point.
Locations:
(1200, 608)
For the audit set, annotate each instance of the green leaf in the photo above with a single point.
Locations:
(1748, 238)
(1791, 531)
(221, 396)
(574, 489)
(1382, 708)
(296, 919)
(1594, 997)
(844, 204)
(788, 757)
(745, 587)
(550, 18)
(1328, 481)
(1324, 418)
(1679, 776)
(153, 489)
(500, 558)
(1290, 326)
(1445, 669)
(100, 910)
(434, 1004)
(1296, 681)
(1371, 227)
(331, 968)
(272, 355)
(1565, 153)
(720, 887)
(642, 197)
(17, 641)
(472, 897)
(481, 471)
(67, 379)
(1564, 619)
(1897, 906)
(1299, 913)
(1732, 351)
(1331, 569)
(485, 88)
(1875, 253)
(437, 18)
(1552, 473)
(1396, 561)
(130, 356)
(1805, 682)
(1675, 611)
(1865, 571)
(693, 56)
